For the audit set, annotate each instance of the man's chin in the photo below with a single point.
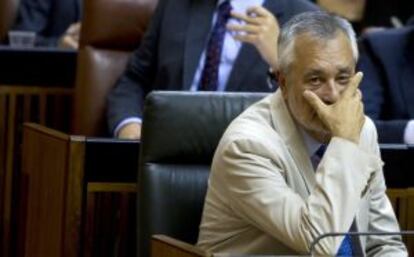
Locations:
(319, 133)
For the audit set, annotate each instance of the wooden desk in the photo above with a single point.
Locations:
(37, 66)
(35, 86)
(398, 165)
(79, 195)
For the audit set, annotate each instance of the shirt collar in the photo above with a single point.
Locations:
(312, 145)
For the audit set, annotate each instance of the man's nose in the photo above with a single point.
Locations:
(330, 92)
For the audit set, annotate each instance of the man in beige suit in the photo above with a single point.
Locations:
(264, 195)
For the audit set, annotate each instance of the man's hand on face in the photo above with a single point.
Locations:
(344, 118)
(261, 29)
(130, 131)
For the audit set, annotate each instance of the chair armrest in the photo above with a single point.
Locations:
(165, 246)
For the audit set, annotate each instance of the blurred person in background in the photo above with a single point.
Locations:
(387, 14)
(224, 45)
(55, 22)
(352, 10)
(387, 60)
(369, 15)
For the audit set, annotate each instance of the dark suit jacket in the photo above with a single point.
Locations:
(170, 51)
(387, 60)
(48, 18)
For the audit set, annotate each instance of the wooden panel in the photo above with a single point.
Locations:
(46, 199)
(110, 224)
(112, 187)
(8, 174)
(20, 104)
(164, 246)
(410, 220)
(54, 192)
(402, 201)
(74, 195)
(58, 192)
(397, 198)
(3, 148)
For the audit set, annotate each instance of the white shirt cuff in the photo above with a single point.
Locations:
(126, 122)
(409, 133)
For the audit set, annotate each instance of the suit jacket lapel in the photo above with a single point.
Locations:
(282, 120)
(201, 14)
(248, 55)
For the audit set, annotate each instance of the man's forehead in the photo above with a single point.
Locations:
(308, 41)
(336, 51)
(312, 70)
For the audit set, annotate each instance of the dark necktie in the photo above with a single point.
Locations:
(209, 75)
(317, 156)
(346, 248)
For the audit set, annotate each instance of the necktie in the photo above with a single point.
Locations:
(317, 156)
(209, 75)
(345, 250)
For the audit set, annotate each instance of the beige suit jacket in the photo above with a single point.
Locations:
(264, 197)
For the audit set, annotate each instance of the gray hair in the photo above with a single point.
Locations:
(318, 24)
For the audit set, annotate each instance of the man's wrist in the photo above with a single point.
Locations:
(125, 122)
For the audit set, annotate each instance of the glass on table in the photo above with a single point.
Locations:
(22, 38)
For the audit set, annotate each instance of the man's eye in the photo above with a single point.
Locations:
(343, 80)
(315, 81)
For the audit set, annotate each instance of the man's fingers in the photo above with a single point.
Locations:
(243, 28)
(247, 18)
(246, 38)
(257, 11)
(354, 84)
(69, 42)
(315, 102)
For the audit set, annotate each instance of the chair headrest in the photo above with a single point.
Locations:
(123, 30)
(188, 125)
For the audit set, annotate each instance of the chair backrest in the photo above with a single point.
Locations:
(8, 10)
(111, 30)
(180, 133)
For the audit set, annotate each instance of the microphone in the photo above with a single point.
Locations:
(352, 234)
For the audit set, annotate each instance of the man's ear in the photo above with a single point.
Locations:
(281, 81)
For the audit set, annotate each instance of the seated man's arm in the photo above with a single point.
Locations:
(374, 90)
(126, 100)
(129, 128)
